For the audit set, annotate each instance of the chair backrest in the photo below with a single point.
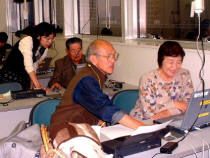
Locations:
(12, 86)
(41, 113)
(126, 99)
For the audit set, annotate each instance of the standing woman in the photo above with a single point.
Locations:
(26, 55)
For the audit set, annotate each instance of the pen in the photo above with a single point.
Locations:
(103, 124)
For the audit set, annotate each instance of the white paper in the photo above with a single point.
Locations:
(97, 129)
(116, 131)
(148, 129)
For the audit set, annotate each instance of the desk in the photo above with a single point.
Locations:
(184, 148)
(19, 110)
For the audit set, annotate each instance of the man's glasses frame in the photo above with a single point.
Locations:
(110, 56)
(49, 39)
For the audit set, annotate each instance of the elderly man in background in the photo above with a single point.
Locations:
(65, 68)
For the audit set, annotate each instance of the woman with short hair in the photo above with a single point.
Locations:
(165, 91)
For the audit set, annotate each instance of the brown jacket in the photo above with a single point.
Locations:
(67, 110)
(64, 71)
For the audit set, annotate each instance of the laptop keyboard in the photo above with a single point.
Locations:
(44, 72)
(176, 123)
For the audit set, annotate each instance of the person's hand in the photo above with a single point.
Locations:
(55, 85)
(100, 122)
(181, 105)
(162, 114)
(44, 88)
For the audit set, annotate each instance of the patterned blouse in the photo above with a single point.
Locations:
(156, 95)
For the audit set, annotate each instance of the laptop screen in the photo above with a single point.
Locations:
(199, 106)
(79, 67)
(44, 65)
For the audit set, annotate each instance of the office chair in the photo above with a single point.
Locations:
(126, 99)
(12, 86)
(41, 113)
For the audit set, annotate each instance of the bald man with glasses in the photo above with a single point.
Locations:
(84, 100)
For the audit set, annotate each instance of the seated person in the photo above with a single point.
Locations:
(165, 91)
(204, 31)
(84, 100)
(3, 46)
(65, 68)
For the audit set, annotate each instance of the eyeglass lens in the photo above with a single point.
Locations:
(112, 56)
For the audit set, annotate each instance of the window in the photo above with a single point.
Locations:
(15, 14)
(141, 18)
(99, 17)
(36, 12)
(171, 19)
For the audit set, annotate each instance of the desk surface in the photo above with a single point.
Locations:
(184, 148)
(30, 102)
(26, 103)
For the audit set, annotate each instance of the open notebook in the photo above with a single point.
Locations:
(195, 110)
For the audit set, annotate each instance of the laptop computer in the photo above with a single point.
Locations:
(79, 67)
(128, 145)
(44, 66)
(195, 114)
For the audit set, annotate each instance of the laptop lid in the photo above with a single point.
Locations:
(128, 145)
(79, 67)
(44, 65)
(194, 110)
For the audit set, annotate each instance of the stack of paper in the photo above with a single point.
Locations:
(116, 131)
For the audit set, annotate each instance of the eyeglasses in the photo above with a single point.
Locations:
(110, 57)
(74, 51)
(49, 39)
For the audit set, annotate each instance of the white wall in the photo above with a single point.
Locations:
(138, 58)
(134, 61)
(3, 26)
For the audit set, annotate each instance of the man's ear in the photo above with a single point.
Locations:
(93, 59)
(67, 51)
(39, 37)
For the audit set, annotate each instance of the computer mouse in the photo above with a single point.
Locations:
(56, 89)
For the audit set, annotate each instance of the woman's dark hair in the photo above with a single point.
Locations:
(169, 48)
(72, 41)
(44, 29)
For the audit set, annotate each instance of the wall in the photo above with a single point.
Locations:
(3, 26)
(138, 58)
(134, 61)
